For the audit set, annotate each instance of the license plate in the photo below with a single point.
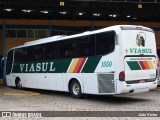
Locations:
(141, 81)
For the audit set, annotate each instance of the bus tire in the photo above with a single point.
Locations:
(75, 89)
(18, 83)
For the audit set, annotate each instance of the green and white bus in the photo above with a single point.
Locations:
(119, 59)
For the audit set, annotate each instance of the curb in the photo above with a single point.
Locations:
(10, 94)
(157, 89)
(28, 93)
(20, 94)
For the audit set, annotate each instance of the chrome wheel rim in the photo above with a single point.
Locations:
(19, 84)
(76, 88)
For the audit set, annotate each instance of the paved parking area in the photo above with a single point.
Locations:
(60, 101)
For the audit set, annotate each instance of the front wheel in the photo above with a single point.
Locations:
(18, 84)
(75, 89)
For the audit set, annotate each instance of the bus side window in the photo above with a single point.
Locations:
(67, 49)
(39, 52)
(105, 43)
(85, 46)
(51, 50)
(21, 54)
(52, 54)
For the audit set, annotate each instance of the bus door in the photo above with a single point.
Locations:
(9, 66)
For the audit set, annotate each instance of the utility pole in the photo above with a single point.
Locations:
(50, 28)
(4, 50)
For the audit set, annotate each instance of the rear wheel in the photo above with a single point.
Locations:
(18, 83)
(75, 89)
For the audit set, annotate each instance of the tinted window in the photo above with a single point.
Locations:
(21, 54)
(105, 43)
(9, 62)
(51, 50)
(36, 52)
(67, 49)
(90, 45)
(85, 46)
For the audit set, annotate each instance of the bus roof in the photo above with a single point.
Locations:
(115, 28)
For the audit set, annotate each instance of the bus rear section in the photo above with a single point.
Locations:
(138, 70)
(158, 64)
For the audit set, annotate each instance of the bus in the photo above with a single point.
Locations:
(119, 59)
(158, 64)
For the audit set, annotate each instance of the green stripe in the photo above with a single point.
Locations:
(91, 64)
(50, 66)
(53, 66)
(133, 65)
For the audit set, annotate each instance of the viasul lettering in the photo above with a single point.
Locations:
(38, 67)
(140, 50)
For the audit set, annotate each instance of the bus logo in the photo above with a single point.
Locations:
(140, 40)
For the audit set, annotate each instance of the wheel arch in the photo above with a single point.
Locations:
(17, 79)
(76, 79)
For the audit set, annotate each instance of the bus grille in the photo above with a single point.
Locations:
(106, 83)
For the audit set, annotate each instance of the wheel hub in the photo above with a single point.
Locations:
(76, 89)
